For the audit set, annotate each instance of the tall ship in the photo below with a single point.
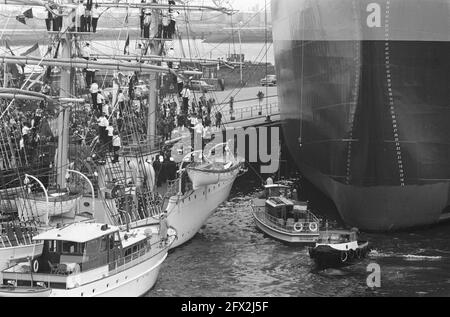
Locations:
(104, 98)
(365, 89)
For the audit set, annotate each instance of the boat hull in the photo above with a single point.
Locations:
(202, 178)
(133, 282)
(13, 254)
(189, 214)
(325, 256)
(364, 91)
(38, 207)
(6, 291)
(305, 238)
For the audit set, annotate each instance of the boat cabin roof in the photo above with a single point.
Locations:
(279, 201)
(275, 186)
(79, 232)
(339, 234)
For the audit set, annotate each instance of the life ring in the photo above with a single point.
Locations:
(344, 256)
(35, 266)
(313, 227)
(298, 226)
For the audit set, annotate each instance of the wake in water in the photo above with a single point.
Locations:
(409, 257)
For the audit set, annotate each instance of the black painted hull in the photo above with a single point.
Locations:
(367, 113)
(327, 257)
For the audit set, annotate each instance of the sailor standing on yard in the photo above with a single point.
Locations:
(81, 22)
(95, 15)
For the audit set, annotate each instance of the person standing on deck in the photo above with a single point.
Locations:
(218, 119)
(116, 143)
(81, 21)
(94, 92)
(95, 15)
(88, 15)
(102, 124)
(147, 22)
(185, 94)
(141, 19)
(100, 101)
(109, 137)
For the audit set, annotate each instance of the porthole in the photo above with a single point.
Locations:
(86, 204)
(93, 291)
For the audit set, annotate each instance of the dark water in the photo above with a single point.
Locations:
(230, 257)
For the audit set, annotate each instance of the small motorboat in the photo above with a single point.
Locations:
(19, 291)
(277, 214)
(91, 259)
(338, 248)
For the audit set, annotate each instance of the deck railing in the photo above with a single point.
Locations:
(288, 225)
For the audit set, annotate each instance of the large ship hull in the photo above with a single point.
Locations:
(364, 88)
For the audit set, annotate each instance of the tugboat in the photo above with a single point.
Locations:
(338, 248)
(91, 259)
(278, 215)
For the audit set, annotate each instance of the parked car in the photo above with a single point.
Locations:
(269, 80)
(201, 86)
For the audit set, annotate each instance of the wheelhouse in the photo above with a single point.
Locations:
(337, 237)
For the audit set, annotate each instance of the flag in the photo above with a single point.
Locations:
(28, 13)
(127, 44)
(32, 51)
(21, 19)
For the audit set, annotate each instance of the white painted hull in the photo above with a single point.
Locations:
(284, 236)
(188, 215)
(24, 292)
(34, 207)
(133, 282)
(14, 254)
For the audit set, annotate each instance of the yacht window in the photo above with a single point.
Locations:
(51, 245)
(69, 247)
(111, 241)
(104, 244)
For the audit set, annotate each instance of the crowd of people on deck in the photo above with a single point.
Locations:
(22, 132)
(84, 18)
(167, 27)
(191, 114)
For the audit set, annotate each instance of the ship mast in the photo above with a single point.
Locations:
(62, 159)
(154, 84)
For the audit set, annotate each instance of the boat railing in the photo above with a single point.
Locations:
(287, 225)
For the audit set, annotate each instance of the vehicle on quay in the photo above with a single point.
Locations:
(269, 80)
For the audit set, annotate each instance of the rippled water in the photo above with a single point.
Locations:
(230, 257)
